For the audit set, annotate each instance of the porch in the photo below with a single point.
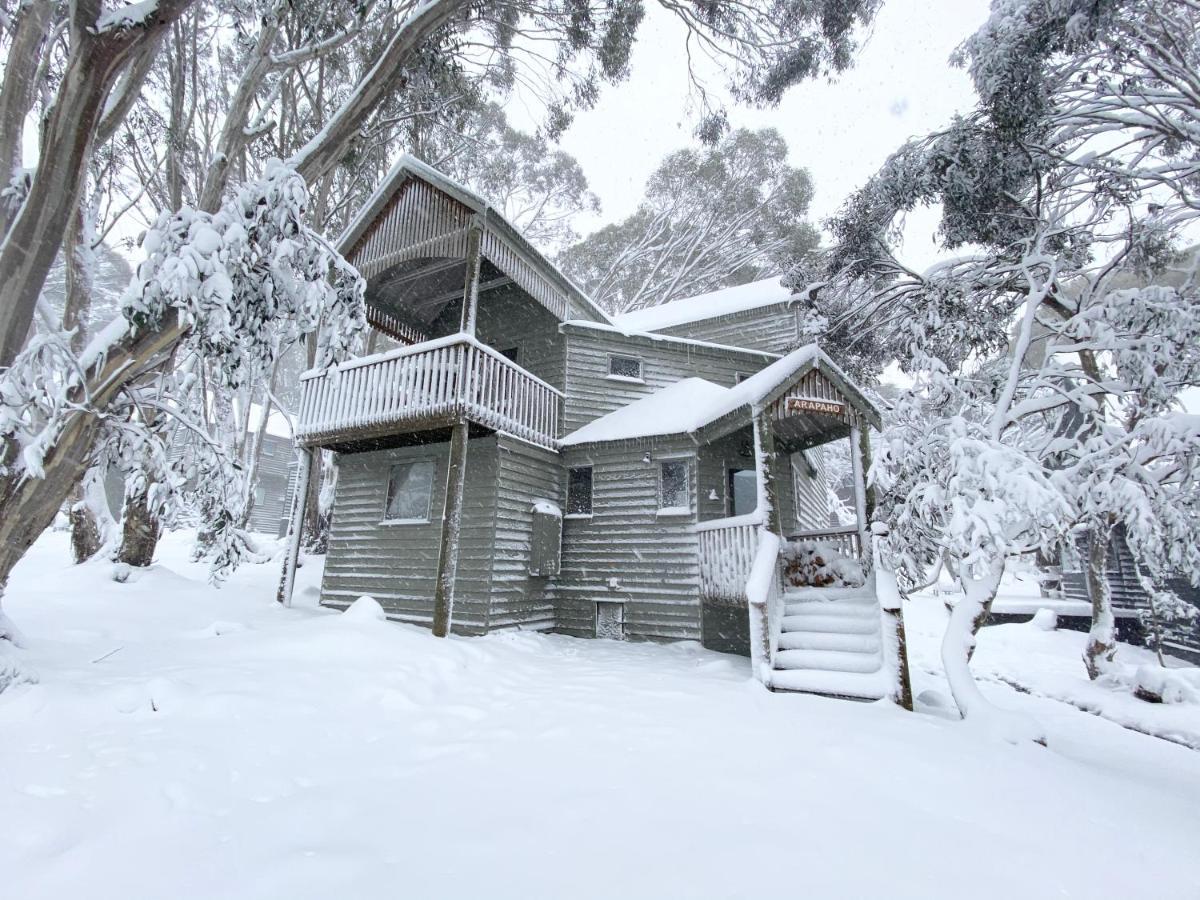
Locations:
(423, 387)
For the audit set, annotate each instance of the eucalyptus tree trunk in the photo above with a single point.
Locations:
(86, 534)
(1100, 653)
(96, 61)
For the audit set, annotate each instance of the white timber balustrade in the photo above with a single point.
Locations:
(846, 539)
(727, 550)
(427, 383)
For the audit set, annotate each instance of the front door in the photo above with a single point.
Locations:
(741, 492)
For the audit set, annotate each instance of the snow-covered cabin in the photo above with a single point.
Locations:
(519, 459)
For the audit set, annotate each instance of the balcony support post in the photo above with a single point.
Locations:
(470, 306)
(443, 598)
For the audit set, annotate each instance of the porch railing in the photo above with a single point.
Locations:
(727, 550)
(845, 539)
(427, 383)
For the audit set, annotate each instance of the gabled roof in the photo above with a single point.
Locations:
(409, 168)
(696, 406)
(727, 301)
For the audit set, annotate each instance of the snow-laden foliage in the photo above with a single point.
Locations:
(239, 285)
(249, 279)
(1048, 354)
(711, 218)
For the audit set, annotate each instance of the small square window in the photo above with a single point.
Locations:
(739, 377)
(625, 367)
(410, 488)
(673, 486)
(579, 491)
(510, 354)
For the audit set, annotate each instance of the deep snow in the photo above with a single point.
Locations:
(186, 742)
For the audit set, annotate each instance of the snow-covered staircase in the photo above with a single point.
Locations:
(830, 642)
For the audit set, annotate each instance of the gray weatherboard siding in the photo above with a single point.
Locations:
(774, 328)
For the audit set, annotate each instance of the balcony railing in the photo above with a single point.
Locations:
(423, 386)
(844, 538)
(727, 551)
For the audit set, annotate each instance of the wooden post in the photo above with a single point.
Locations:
(470, 307)
(287, 580)
(860, 491)
(764, 465)
(443, 598)
(456, 471)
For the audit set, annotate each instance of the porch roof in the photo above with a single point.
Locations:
(705, 410)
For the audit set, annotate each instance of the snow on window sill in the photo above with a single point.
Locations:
(628, 379)
(404, 521)
(577, 516)
(675, 511)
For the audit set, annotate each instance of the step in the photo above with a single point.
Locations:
(825, 640)
(828, 660)
(842, 608)
(871, 686)
(830, 624)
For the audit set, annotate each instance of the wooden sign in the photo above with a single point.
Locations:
(820, 407)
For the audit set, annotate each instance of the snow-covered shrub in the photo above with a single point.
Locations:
(819, 564)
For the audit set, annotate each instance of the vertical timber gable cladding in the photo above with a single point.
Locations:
(625, 551)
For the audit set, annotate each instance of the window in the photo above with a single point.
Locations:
(410, 487)
(579, 491)
(510, 354)
(260, 496)
(742, 492)
(268, 448)
(629, 367)
(739, 377)
(673, 486)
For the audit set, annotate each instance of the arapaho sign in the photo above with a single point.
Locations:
(813, 405)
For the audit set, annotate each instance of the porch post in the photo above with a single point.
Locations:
(764, 466)
(443, 597)
(470, 307)
(287, 579)
(860, 488)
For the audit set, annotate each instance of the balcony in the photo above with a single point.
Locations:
(428, 385)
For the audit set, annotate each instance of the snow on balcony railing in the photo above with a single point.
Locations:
(727, 548)
(429, 382)
(845, 539)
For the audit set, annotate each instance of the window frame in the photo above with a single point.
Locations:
(640, 378)
(591, 494)
(678, 510)
(387, 493)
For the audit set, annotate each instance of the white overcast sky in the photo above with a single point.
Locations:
(902, 85)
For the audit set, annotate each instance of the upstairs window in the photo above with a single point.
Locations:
(410, 488)
(579, 491)
(673, 487)
(626, 367)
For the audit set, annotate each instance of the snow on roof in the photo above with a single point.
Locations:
(277, 423)
(688, 405)
(706, 306)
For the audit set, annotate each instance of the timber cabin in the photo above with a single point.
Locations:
(516, 458)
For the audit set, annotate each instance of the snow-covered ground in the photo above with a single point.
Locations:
(189, 743)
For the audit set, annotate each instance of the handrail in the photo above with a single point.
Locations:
(424, 347)
(844, 537)
(455, 375)
(727, 549)
(764, 601)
